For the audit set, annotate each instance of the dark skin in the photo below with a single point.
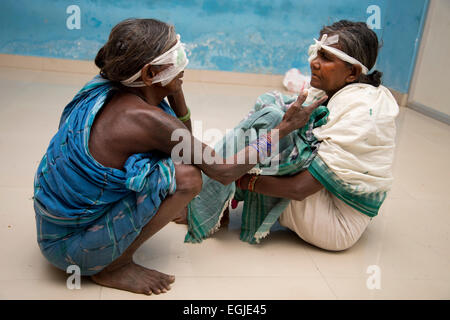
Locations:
(118, 131)
(329, 74)
(132, 123)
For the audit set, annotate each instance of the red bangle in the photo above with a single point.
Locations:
(252, 182)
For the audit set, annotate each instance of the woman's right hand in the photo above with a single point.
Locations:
(297, 115)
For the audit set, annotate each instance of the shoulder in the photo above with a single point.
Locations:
(360, 97)
(135, 112)
(131, 124)
(363, 93)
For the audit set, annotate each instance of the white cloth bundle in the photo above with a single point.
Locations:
(357, 142)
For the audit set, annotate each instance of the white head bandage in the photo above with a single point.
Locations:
(176, 56)
(324, 44)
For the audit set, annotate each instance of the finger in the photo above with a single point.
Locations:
(314, 105)
(301, 98)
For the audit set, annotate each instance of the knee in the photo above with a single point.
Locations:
(337, 245)
(339, 248)
(189, 180)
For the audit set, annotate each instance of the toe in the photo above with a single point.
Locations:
(148, 292)
(160, 287)
(170, 278)
(166, 284)
(155, 288)
(167, 277)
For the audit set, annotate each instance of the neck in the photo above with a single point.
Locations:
(333, 92)
(330, 94)
(152, 95)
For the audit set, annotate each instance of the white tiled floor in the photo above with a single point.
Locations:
(409, 240)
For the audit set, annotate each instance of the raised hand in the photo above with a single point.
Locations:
(297, 115)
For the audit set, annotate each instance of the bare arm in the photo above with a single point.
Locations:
(178, 104)
(296, 187)
(154, 129)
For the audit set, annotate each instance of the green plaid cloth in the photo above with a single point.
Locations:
(367, 203)
(260, 212)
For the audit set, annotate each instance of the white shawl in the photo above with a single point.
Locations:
(357, 142)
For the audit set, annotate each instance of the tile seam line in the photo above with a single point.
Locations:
(322, 276)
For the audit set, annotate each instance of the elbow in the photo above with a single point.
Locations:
(298, 197)
(302, 193)
(225, 181)
(224, 178)
(298, 194)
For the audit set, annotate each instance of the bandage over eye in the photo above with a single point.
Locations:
(325, 43)
(175, 57)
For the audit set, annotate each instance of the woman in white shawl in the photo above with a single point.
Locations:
(342, 190)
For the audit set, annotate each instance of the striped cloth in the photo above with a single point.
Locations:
(296, 151)
(88, 214)
(350, 154)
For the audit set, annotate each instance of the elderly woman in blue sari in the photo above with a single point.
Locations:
(107, 182)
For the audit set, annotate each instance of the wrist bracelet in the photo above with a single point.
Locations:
(252, 182)
(263, 145)
(186, 117)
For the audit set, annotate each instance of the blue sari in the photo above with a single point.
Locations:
(87, 214)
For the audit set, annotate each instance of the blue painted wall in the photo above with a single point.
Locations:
(256, 36)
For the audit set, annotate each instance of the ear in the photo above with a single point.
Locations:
(150, 71)
(355, 73)
(147, 74)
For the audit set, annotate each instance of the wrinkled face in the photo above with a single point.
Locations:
(329, 73)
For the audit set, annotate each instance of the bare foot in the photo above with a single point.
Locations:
(182, 217)
(135, 278)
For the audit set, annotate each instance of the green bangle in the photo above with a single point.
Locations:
(186, 117)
